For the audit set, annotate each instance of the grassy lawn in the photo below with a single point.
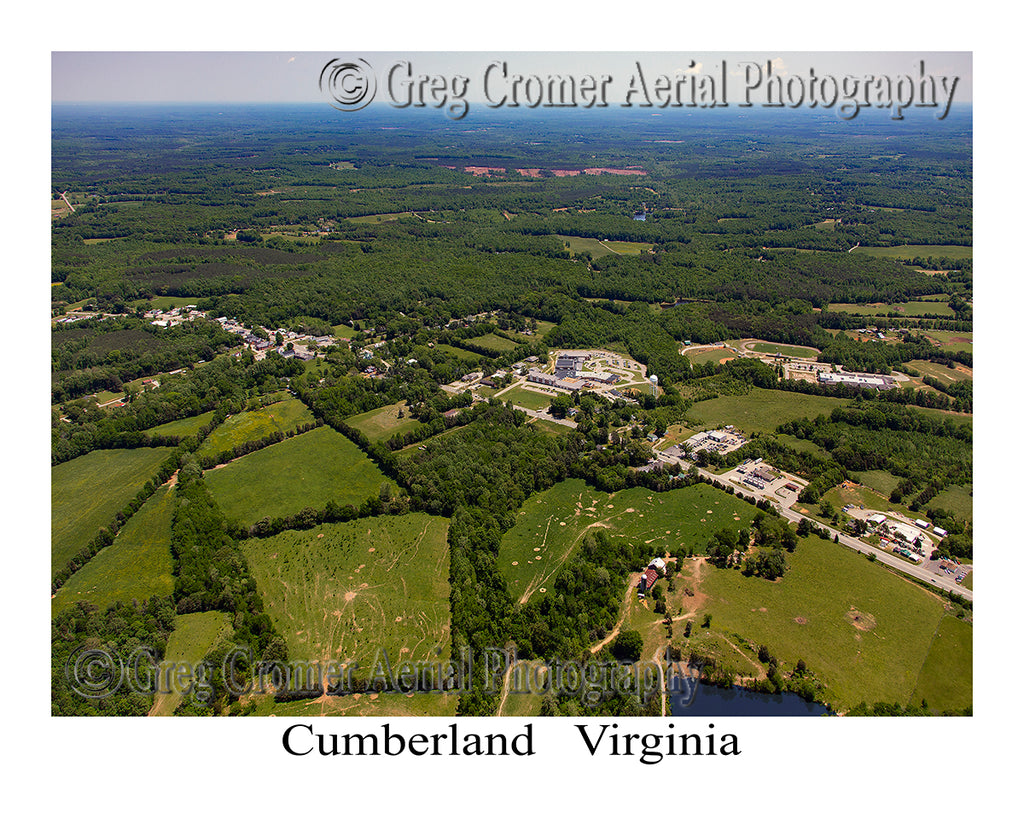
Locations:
(907, 308)
(549, 427)
(956, 499)
(137, 565)
(381, 424)
(457, 352)
(862, 629)
(878, 479)
(762, 410)
(628, 248)
(183, 427)
(952, 341)
(784, 349)
(674, 434)
(491, 341)
(87, 492)
(343, 591)
(553, 523)
(527, 398)
(194, 636)
(580, 244)
(941, 372)
(342, 331)
(305, 471)
(255, 424)
(377, 218)
(946, 681)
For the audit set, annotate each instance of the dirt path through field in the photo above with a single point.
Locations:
(627, 603)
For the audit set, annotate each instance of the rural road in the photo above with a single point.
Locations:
(882, 556)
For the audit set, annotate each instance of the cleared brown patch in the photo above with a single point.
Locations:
(862, 621)
(800, 621)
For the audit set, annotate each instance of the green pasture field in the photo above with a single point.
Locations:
(809, 615)
(878, 479)
(458, 352)
(784, 349)
(343, 591)
(762, 410)
(87, 492)
(906, 308)
(840, 496)
(912, 251)
(498, 344)
(527, 398)
(941, 372)
(170, 302)
(674, 434)
(382, 423)
(194, 636)
(802, 445)
(255, 424)
(136, 566)
(305, 471)
(946, 680)
(628, 248)
(377, 218)
(342, 331)
(550, 427)
(580, 244)
(552, 524)
(945, 339)
(956, 499)
(183, 427)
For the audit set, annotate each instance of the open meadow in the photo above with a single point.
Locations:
(255, 424)
(194, 636)
(383, 423)
(136, 566)
(552, 524)
(342, 591)
(87, 492)
(305, 471)
(862, 629)
(762, 410)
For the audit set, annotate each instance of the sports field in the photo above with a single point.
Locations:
(251, 426)
(136, 566)
(381, 424)
(305, 471)
(527, 398)
(87, 492)
(342, 591)
(552, 524)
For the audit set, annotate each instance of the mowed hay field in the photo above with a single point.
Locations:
(553, 523)
(341, 591)
(183, 426)
(380, 424)
(762, 410)
(862, 629)
(283, 416)
(87, 492)
(194, 636)
(137, 565)
(305, 471)
(945, 682)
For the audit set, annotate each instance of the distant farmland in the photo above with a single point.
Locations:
(305, 471)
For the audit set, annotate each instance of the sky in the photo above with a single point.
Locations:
(292, 76)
